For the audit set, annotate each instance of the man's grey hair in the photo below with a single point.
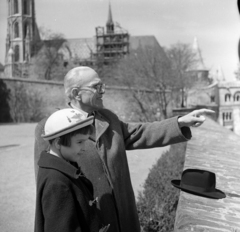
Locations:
(74, 79)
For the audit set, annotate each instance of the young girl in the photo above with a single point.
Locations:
(64, 200)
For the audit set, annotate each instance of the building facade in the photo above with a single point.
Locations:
(224, 98)
(22, 36)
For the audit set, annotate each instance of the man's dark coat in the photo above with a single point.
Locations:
(105, 162)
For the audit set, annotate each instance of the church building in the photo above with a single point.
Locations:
(107, 45)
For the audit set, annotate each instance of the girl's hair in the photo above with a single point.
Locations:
(65, 140)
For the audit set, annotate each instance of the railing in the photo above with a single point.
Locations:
(216, 149)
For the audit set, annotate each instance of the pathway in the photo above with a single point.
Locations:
(17, 183)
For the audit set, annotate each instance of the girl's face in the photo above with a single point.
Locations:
(77, 146)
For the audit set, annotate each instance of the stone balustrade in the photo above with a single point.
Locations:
(216, 149)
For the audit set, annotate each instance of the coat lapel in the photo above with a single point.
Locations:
(101, 125)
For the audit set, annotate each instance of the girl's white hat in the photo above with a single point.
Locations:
(65, 121)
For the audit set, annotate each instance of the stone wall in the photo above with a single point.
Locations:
(118, 99)
(216, 149)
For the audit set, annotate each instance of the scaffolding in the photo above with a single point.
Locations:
(111, 46)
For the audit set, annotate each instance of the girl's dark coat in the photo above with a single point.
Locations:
(64, 198)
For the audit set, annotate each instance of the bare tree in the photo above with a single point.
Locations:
(182, 59)
(147, 73)
(25, 104)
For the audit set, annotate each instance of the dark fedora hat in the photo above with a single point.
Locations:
(199, 182)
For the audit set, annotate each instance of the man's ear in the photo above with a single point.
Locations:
(75, 94)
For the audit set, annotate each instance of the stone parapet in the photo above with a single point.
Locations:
(216, 149)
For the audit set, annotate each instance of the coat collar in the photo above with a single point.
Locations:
(101, 124)
(53, 162)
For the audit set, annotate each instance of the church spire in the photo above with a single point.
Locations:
(200, 65)
(110, 24)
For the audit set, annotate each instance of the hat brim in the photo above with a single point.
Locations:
(86, 122)
(217, 194)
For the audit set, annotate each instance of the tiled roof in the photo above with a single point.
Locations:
(82, 47)
(147, 40)
(78, 48)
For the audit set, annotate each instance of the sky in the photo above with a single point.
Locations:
(215, 23)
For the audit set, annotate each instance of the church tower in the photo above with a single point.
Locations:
(22, 32)
(112, 45)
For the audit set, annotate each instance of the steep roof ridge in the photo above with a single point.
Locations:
(200, 65)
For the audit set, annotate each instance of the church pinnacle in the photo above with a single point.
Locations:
(110, 24)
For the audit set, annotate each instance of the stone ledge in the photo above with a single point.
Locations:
(216, 149)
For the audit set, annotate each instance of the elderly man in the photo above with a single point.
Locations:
(104, 162)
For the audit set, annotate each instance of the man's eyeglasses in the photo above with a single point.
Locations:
(100, 88)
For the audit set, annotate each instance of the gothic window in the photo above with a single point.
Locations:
(227, 97)
(16, 30)
(16, 53)
(25, 30)
(227, 116)
(212, 98)
(15, 6)
(25, 53)
(26, 7)
(237, 97)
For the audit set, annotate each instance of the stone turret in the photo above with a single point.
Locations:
(199, 69)
(22, 33)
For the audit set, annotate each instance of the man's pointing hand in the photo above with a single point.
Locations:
(195, 118)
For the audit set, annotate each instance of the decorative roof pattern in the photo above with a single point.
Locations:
(78, 48)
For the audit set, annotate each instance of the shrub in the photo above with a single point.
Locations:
(157, 202)
(25, 104)
(5, 115)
